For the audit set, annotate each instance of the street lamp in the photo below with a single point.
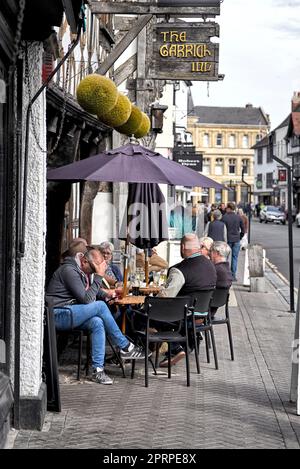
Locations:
(249, 202)
(290, 221)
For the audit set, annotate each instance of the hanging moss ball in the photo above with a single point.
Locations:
(119, 114)
(144, 127)
(97, 94)
(133, 123)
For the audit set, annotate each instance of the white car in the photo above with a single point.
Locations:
(272, 214)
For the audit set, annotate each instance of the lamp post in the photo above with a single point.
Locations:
(249, 193)
(290, 222)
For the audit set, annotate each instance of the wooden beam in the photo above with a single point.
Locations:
(123, 44)
(136, 8)
(125, 70)
(123, 23)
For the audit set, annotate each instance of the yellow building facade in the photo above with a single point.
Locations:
(227, 148)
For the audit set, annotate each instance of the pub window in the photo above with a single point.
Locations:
(219, 141)
(232, 141)
(269, 155)
(232, 166)
(259, 156)
(206, 166)
(269, 182)
(245, 165)
(219, 167)
(206, 140)
(245, 141)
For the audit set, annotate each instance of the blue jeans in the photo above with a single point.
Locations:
(235, 249)
(94, 317)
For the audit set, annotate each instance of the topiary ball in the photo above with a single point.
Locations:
(133, 123)
(144, 127)
(119, 114)
(97, 94)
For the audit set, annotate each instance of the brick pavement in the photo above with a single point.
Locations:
(245, 404)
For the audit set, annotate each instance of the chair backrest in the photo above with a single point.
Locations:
(220, 297)
(202, 300)
(167, 309)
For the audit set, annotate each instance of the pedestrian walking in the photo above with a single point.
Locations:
(216, 229)
(235, 232)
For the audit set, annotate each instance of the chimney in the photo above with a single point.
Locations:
(249, 106)
(295, 100)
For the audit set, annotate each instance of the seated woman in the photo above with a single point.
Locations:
(112, 273)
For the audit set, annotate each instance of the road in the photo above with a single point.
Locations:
(274, 238)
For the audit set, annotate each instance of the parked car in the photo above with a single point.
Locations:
(272, 214)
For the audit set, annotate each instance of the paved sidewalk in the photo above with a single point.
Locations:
(245, 404)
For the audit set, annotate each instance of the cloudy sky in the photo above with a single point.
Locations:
(259, 55)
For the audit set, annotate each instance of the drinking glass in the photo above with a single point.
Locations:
(119, 289)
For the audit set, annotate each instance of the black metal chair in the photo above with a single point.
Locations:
(80, 333)
(221, 298)
(202, 301)
(172, 312)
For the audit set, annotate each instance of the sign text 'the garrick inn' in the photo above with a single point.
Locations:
(184, 51)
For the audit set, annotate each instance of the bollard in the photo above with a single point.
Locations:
(256, 268)
(246, 281)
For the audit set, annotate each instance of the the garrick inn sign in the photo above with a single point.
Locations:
(184, 51)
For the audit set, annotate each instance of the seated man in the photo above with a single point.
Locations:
(195, 273)
(73, 294)
(220, 253)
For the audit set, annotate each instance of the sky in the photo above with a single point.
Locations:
(259, 55)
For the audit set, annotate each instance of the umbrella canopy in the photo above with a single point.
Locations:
(145, 222)
(131, 163)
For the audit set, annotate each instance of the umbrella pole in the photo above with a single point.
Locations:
(146, 268)
(126, 267)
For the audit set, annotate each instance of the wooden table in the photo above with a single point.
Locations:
(129, 300)
(152, 289)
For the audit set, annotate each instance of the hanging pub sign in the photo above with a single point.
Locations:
(184, 51)
(187, 156)
(282, 175)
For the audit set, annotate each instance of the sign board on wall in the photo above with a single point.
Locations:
(282, 176)
(187, 156)
(184, 51)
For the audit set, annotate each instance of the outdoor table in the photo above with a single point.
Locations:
(129, 300)
(151, 289)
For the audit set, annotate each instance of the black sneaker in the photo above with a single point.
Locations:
(99, 376)
(133, 352)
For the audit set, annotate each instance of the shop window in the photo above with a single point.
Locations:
(219, 167)
(206, 166)
(232, 141)
(219, 141)
(245, 141)
(206, 140)
(232, 166)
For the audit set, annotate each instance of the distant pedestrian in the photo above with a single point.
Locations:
(235, 232)
(216, 229)
(244, 240)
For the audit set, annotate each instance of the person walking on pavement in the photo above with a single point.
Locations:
(216, 229)
(235, 232)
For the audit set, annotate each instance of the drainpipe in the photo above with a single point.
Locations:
(21, 218)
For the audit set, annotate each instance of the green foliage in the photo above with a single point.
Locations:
(144, 128)
(97, 94)
(119, 114)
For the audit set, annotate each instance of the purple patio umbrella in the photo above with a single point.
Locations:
(131, 163)
(134, 163)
